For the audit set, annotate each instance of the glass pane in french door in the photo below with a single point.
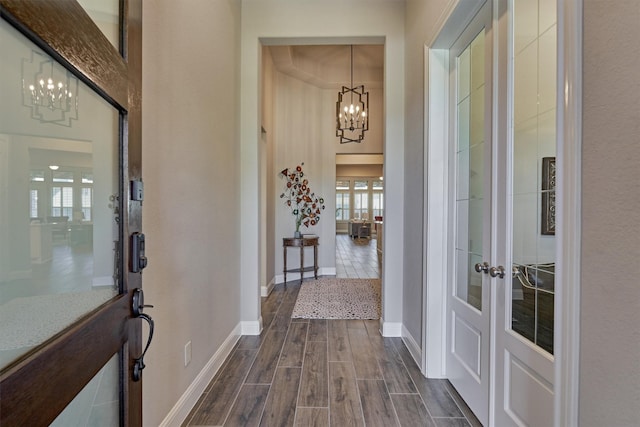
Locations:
(534, 171)
(58, 197)
(106, 15)
(470, 171)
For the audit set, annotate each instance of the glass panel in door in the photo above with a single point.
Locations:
(106, 15)
(58, 197)
(470, 160)
(534, 171)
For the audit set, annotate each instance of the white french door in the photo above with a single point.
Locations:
(502, 171)
(526, 242)
(469, 304)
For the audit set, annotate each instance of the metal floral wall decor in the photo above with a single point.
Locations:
(305, 206)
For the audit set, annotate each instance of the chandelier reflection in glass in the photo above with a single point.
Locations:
(352, 119)
(49, 90)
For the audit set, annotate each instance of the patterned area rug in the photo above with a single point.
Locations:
(332, 298)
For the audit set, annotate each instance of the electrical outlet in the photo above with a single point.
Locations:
(187, 353)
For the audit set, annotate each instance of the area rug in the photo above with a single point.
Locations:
(332, 298)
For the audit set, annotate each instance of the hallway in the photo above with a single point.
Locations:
(323, 373)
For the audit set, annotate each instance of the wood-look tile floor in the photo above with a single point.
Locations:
(357, 258)
(300, 372)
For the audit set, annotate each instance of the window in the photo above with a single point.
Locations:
(87, 178)
(361, 199)
(378, 199)
(342, 200)
(62, 176)
(86, 203)
(62, 201)
(33, 203)
(37, 176)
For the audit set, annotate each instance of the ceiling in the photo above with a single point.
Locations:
(328, 66)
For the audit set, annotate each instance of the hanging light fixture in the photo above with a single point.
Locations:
(49, 90)
(352, 117)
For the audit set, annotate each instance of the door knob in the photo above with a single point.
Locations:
(497, 271)
(482, 268)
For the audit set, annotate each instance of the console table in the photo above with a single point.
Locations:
(301, 243)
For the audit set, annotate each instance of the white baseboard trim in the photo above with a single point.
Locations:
(253, 327)
(19, 275)
(292, 277)
(390, 329)
(265, 290)
(189, 398)
(102, 281)
(412, 346)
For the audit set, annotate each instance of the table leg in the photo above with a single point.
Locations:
(285, 266)
(301, 263)
(315, 261)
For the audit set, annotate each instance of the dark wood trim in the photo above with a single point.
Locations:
(46, 374)
(65, 31)
(133, 161)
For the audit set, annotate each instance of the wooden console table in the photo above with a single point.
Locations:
(301, 243)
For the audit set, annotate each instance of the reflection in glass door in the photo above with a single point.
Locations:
(59, 223)
(534, 172)
(471, 206)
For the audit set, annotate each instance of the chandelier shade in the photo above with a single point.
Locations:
(352, 117)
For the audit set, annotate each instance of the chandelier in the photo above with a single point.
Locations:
(352, 119)
(49, 90)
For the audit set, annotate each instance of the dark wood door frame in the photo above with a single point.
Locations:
(37, 387)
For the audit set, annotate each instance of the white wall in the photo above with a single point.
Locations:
(191, 170)
(296, 21)
(610, 293)
(422, 18)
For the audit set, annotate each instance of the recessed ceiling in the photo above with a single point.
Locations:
(329, 66)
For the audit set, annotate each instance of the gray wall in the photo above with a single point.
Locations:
(610, 292)
(190, 213)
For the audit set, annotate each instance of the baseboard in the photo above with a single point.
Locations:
(189, 399)
(412, 346)
(102, 281)
(265, 290)
(327, 271)
(253, 327)
(391, 329)
(292, 277)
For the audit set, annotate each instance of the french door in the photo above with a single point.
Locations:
(469, 302)
(70, 149)
(503, 145)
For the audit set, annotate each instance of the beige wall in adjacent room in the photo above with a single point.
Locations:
(610, 292)
(191, 174)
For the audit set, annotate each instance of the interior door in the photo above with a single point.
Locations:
(70, 145)
(469, 308)
(524, 370)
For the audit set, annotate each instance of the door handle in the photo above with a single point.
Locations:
(137, 306)
(497, 272)
(482, 268)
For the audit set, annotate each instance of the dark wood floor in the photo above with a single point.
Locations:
(300, 372)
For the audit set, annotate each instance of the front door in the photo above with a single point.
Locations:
(70, 145)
